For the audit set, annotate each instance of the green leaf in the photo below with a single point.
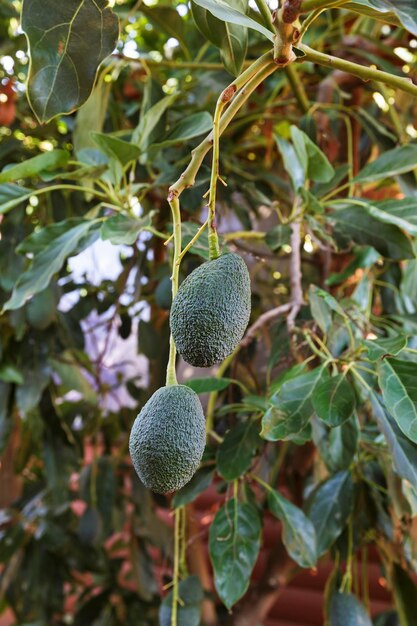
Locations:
(337, 446)
(116, 148)
(401, 213)
(190, 127)
(234, 542)
(235, 453)
(405, 596)
(91, 117)
(72, 378)
(31, 167)
(315, 164)
(67, 41)
(189, 229)
(404, 452)
(330, 509)
(61, 240)
(278, 236)
(189, 608)
(320, 309)
(357, 225)
(6, 419)
(364, 258)
(208, 384)
(403, 11)
(168, 20)
(380, 348)
(291, 162)
(391, 163)
(346, 610)
(201, 481)
(291, 406)
(334, 400)
(397, 380)
(149, 120)
(124, 229)
(298, 533)
(10, 374)
(226, 13)
(229, 36)
(12, 195)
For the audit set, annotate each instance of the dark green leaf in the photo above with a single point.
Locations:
(10, 374)
(149, 119)
(346, 610)
(364, 258)
(189, 229)
(314, 162)
(12, 195)
(330, 509)
(291, 161)
(124, 229)
(334, 400)
(291, 406)
(320, 310)
(72, 378)
(226, 13)
(189, 607)
(337, 446)
(62, 242)
(31, 167)
(168, 20)
(390, 163)
(229, 36)
(401, 213)
(397, 380)
(404, 452)
(68, 41)
(116, 148)
(405, 596)
(392, 11)
(390, 346)
(362, 228)
(201, 480)
(6, 419)
(298, 533)
(278, 236)
(208, 384)
(190, 127)
(235, 453)
(234, 542)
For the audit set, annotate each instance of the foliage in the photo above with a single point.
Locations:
(312, 420)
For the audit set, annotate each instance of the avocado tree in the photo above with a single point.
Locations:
(192, 143)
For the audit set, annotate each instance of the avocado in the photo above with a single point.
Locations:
(168, 438)
(211, 310)
(346, 610)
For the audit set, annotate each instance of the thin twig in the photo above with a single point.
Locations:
(262, 320)
(296, 275)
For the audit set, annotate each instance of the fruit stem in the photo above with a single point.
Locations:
(225, 98)
(175, 576)
(174, 203)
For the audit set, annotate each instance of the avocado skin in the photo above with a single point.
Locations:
(167, 439)
(211, 311)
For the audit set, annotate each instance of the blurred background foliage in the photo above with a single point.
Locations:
(79, 535)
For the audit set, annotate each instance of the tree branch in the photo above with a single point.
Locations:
(362, 71)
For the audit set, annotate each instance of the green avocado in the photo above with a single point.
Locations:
(211, 311)
(168, 438)
(346, 610)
